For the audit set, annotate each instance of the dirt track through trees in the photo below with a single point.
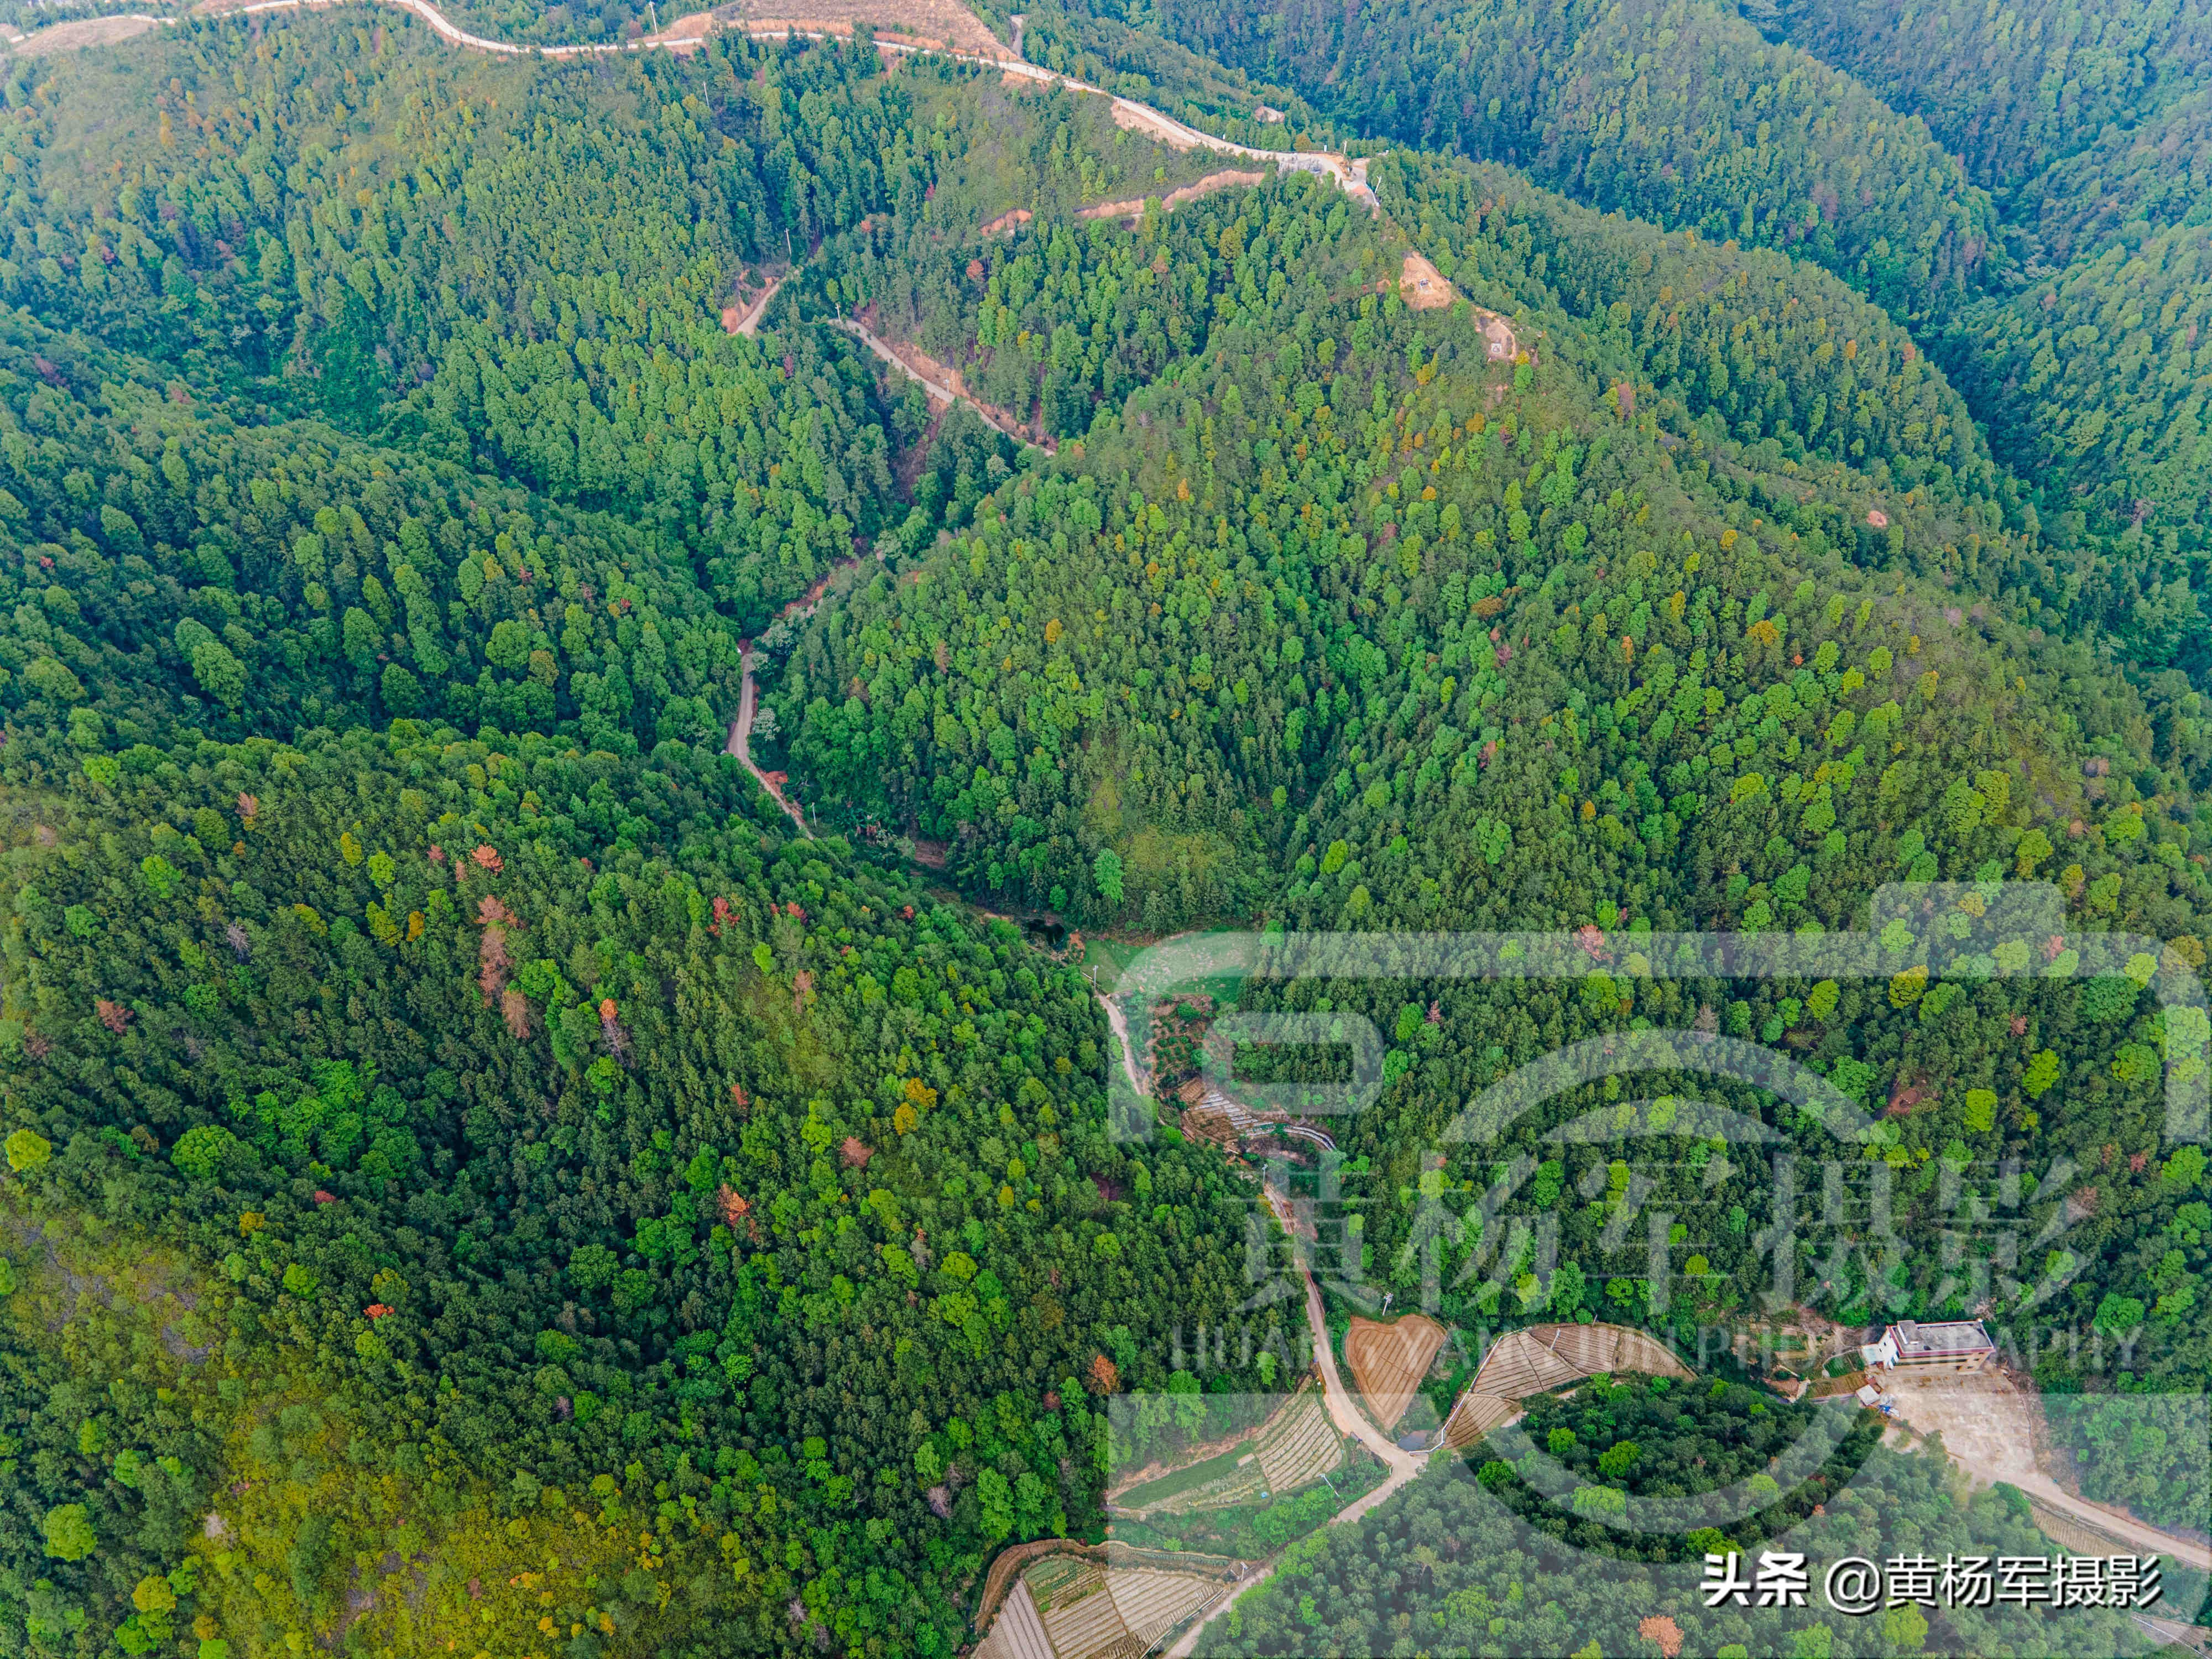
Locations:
(1343, 1410)
(741, 734)
(1990, 1426)
(945, 390)
(1404, 1466)
(745, 320)
(895, 35)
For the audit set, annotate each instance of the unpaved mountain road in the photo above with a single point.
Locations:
(745, 320)
(1343, 1411)
(690, 33)
(741, 734)
(937, 389)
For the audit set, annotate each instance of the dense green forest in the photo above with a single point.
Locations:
(534, 317)
(1677, 113)
(479, 1172)
(2089, 130)
(427, 1058)
(1105, 51)
(538, 1133)
(1699, 718)
(2060, 283)
(2014, 90)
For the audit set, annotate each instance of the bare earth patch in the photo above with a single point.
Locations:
(931, 24)
(685, 35)
(1503, 348)
(1153, 126)
(1992, 1428)
(1388, 1362)
(1228, 179)
(1986, 1423)
(1422, 286)
(85, 32)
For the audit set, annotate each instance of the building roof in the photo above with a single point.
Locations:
(1915, 1341)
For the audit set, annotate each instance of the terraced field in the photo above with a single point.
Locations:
(1018, 1632)
(1219, 1483)
(1298, 1447)
(1546, 1356)
(1070, 1607)
(1520, 1363)
(1595, 1348)
(1476, 1415)
(1079, 1614)
(1059, 1581)
(1152, 1603)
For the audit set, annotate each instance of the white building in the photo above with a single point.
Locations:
(1957, 1346)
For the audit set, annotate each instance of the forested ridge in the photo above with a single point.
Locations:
(477, 1171)
(331, 1138)
(372, 224)
(2013, 90)
(1290, 444)
(1141, 63)
(1676, 112)
(2058, 279)
(575, 1178)
(1549, 663)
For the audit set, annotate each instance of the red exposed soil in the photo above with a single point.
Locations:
(1229, 179)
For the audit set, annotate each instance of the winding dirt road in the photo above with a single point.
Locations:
(1348, 174)
(740, 744)
(937, 389)
(1344, 1412)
